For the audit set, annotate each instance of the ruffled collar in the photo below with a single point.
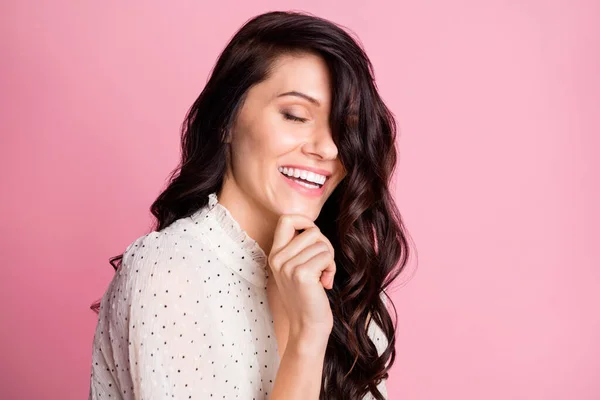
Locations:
(233, 245)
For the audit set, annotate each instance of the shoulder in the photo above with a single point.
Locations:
(159, 270)
(176, 238)
(162, 259)
(174, 245)
(152, 252)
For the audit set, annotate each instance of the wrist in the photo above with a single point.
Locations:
(308, 342)
(303, 347)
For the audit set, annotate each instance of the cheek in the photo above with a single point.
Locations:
(265, 138)
(276, 139)
(259, 150)
(340, 170)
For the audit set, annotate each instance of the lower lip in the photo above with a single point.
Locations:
(303, 189)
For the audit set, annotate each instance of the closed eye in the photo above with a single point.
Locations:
(293, 117)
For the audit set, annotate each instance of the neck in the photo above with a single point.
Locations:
(251, 217)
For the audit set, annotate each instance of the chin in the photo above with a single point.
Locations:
(308, 213)
(300, 209)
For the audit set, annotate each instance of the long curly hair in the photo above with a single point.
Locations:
(360, 217)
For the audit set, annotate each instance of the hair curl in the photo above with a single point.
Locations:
(360, 217)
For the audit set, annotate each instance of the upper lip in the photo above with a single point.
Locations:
(311, 169)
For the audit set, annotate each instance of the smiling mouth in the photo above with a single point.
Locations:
(304, 182)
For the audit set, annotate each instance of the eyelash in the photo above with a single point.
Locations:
(293, 117)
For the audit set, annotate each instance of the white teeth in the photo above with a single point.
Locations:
(308, 185)
(306, 175)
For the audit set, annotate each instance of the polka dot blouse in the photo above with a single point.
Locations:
(186, 316)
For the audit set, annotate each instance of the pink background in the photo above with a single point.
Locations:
(498, 108)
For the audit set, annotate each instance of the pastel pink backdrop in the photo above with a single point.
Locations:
(498, 109)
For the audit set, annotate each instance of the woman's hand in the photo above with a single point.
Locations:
(303, 266)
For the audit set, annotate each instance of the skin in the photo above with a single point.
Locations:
(257, 196)
(263, 139)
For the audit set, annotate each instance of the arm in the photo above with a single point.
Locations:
(301, 369)
(168, 337)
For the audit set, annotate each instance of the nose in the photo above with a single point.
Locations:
(321, 144)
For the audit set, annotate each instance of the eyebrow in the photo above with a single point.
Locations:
(302, 95)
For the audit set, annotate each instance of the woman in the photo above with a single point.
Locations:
(264, 271)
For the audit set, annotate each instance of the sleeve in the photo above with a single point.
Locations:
(174, 347)
(380, 341)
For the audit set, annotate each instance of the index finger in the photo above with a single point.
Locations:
(286, 229)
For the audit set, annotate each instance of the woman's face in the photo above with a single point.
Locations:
(276, 128)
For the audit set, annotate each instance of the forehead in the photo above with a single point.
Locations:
(306, 73)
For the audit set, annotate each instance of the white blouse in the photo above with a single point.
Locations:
(186, 316)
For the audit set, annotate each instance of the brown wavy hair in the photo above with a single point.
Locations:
(360, 217)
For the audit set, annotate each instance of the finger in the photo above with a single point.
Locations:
(325, 273)
(300, 242)
(328, 275)
(303, 256)
(287, 226)
(313, 268)
(308, 237)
